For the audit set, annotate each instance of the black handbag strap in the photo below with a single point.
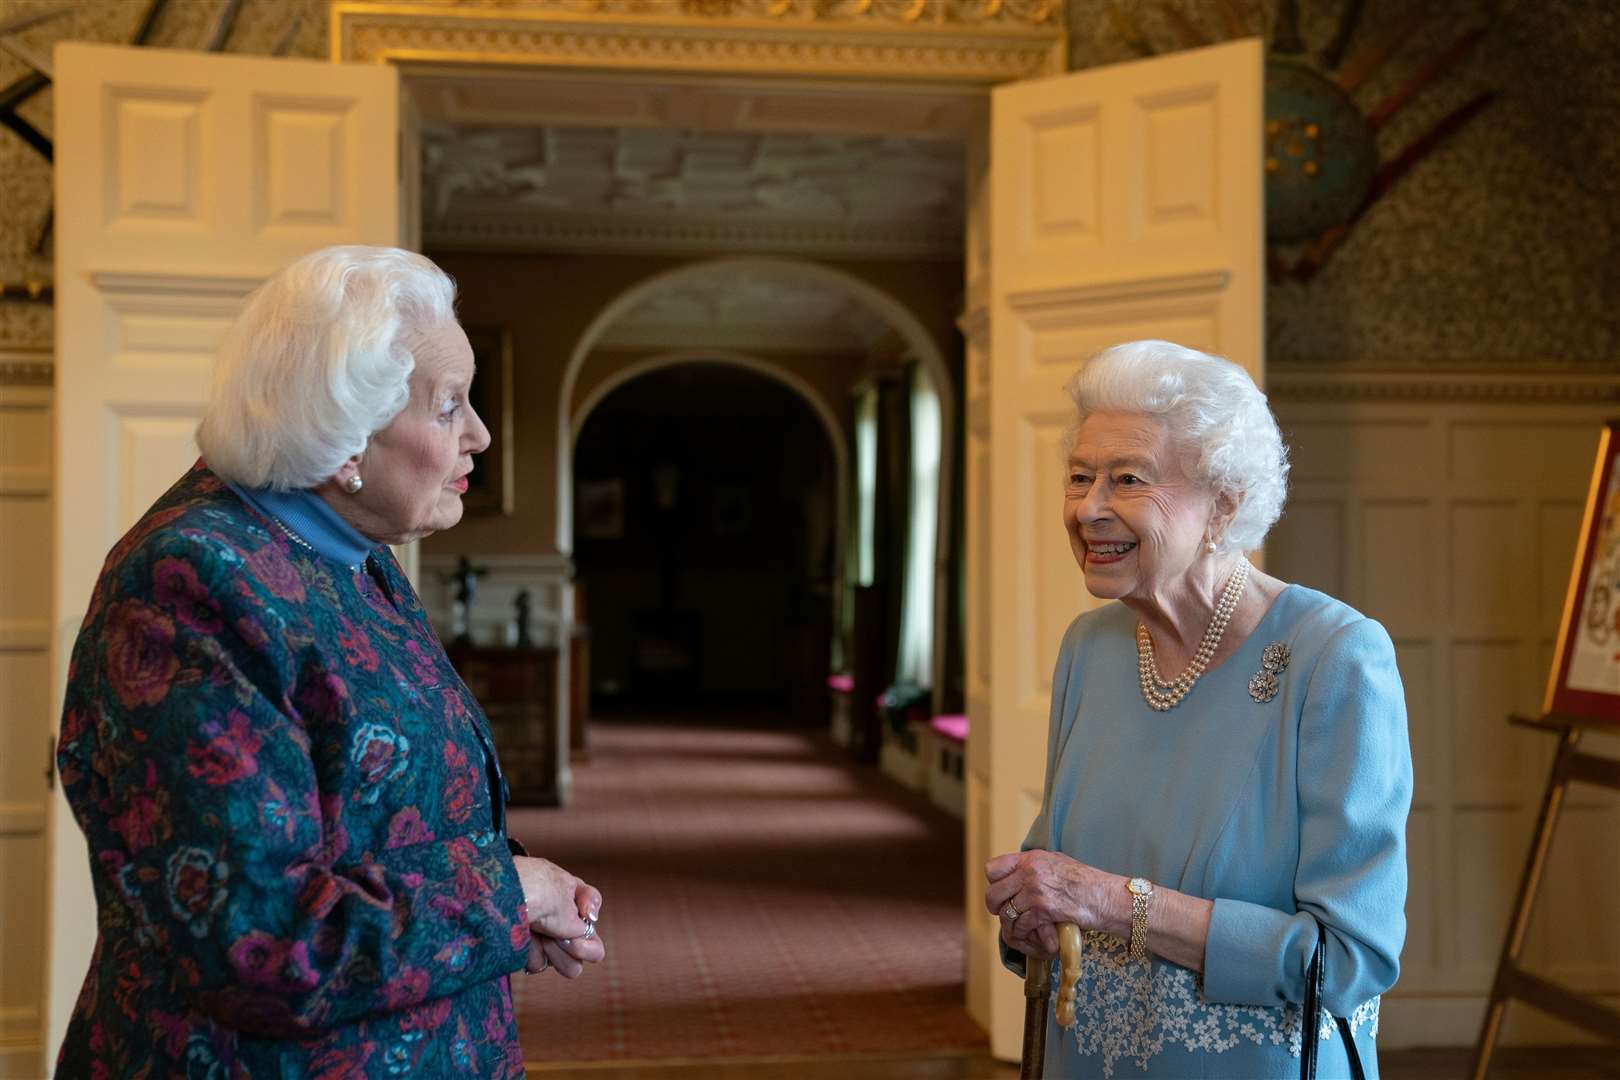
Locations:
(1310, 1021)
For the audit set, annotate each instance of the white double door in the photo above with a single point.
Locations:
(1123, 202)
(182, 181)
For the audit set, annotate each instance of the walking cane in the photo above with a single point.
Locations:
(1038, 992)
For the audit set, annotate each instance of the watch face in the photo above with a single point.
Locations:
(1140, 886)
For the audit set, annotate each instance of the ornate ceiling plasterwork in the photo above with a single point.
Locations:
(565, 188)
(980, 42)
(518, 97)
(728, 307)
(775, 68)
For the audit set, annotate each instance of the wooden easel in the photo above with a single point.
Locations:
(1512, 981)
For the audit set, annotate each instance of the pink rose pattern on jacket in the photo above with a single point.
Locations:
(295, 817)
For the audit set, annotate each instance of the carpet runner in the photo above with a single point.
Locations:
(762, 897)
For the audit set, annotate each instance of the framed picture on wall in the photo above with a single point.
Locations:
(1585, 681)
(599, 512)
(490, 487)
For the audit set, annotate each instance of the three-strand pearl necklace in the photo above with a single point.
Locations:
(1163, 696)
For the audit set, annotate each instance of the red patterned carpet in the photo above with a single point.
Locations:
(762, 897)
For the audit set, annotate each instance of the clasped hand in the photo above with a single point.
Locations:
(558, 903)
(1045, 888)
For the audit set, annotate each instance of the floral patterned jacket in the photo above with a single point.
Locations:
(295, 818)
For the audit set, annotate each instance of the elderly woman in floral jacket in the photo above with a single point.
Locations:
(295, 814)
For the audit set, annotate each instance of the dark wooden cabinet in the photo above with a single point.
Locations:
(517, 689)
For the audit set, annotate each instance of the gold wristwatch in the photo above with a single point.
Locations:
(1141, 893)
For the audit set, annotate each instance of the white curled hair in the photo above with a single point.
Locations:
(317, 362)
(1216, 416)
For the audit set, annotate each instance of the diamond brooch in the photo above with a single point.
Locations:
(1273, 662)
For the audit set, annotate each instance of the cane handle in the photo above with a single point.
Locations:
(1069, 960)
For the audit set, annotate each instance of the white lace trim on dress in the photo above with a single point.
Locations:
(1131, 1011)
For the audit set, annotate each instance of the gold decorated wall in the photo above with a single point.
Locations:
(1501, 249)
(1498, 250)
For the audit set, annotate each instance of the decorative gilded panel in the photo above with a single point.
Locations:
(979, 41)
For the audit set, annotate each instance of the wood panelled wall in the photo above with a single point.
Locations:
(25, 723)
(1447, 508)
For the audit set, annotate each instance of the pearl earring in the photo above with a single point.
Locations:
(1209, 545)
(353, 484)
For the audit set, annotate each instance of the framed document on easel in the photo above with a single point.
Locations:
(1585, 679)
(1583, 694)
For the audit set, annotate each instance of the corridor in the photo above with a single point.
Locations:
(763, 897)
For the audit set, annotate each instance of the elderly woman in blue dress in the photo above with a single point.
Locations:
(1228, 774)
(296, 818)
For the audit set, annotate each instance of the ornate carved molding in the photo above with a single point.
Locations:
(26, 367)
(1293, 384)
(903, 12)
(906, 39)
(26, 372)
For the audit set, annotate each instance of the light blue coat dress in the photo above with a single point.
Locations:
(1290, 814)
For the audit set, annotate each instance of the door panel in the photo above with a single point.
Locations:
(1125, 202)
(182, 181)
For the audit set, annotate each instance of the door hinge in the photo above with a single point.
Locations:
(50, 765)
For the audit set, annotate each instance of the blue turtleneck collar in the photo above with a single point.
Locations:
(309, 518)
